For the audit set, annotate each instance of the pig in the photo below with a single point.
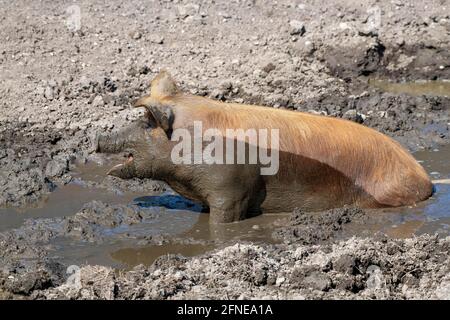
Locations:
(323, 162)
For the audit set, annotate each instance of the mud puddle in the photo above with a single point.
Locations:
(201, 238)
(64, 201)
(69, 198)
(178, 226)
(432, 87)
(177, 223)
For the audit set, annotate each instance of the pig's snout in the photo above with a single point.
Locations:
(112, 143)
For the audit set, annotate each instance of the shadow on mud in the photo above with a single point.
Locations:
(169, 201)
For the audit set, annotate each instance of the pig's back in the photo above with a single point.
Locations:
(338, 160)
(323, 156)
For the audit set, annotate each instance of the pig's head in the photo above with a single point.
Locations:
(146, 142)
(146, 150)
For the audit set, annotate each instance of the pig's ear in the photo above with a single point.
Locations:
(163, 86)
(158, 114)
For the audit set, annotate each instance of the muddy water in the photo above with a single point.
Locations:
(436, 88)
(204, 238)
(183, 219)
(175, 216)
(433, 215)
(64, 201)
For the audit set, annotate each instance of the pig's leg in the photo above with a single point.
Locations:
(232, 203)
(226, 208)
(235, 191)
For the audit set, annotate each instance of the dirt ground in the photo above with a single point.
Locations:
(69, 70)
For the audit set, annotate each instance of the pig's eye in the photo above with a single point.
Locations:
(151, 119)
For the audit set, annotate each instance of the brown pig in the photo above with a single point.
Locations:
(323, 162)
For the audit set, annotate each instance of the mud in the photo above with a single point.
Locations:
(59, 87)
(314, 267)
(356, 268)
(312, 228)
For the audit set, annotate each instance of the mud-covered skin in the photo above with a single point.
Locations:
(149, 151)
